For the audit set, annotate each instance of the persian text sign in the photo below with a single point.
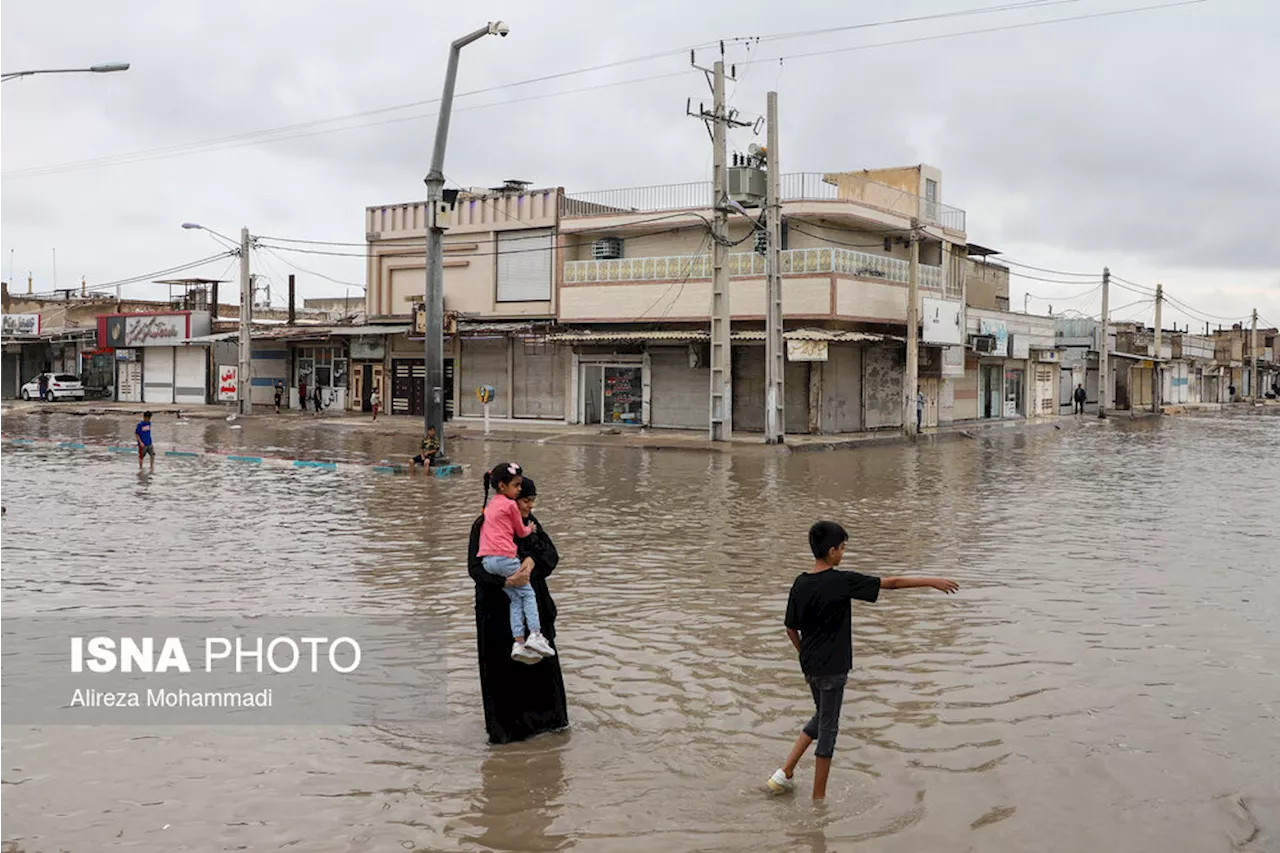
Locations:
(998, 330)
(222, 670)
(21, 325)
(228, 384)
(799, 350)
(151, 330)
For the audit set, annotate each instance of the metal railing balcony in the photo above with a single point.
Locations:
(819, 260)
(794, 186)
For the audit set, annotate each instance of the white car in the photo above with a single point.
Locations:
(62, 386)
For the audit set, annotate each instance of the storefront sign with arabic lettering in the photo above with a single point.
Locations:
(150, 330)
(21, 325)
(228, 386)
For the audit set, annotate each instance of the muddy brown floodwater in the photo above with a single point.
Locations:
(1108, 678)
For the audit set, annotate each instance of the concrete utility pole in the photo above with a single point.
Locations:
(911, 376)
(721, 348)
(1157, 377)
(244, 382)
(1253, 371)
(775, 424)
(433, 344)
(1102, 344)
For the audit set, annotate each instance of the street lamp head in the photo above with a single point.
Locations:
(108, 67)
(190, 225)
(499, 28)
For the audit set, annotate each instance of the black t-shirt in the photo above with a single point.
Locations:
(818, 608)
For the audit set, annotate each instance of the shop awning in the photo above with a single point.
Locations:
(1128, 356)
(698, 335)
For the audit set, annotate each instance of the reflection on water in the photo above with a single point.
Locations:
(1107, 679)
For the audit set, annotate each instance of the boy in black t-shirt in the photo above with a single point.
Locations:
(817, 621)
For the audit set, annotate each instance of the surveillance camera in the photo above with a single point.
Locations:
(499, 28)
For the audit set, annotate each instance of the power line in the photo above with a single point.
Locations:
(1056, 298)
(1003, 260)
(283, 260)
(107, 285)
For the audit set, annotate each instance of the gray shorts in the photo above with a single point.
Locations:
(828, 695)
(147, 450)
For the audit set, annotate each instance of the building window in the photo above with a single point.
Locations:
(325, 366)
(524, 266)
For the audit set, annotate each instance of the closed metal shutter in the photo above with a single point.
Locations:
(882, 369)
(748, 392)
(841, 389)
(679, 395)
(157, 374)
(524, 266)
(538, 385)
(189, 375)
(484, 362)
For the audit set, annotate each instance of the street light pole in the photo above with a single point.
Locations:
(105, 68)
(433, 344)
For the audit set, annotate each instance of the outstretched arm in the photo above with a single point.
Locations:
(794, 636)
(941, 584)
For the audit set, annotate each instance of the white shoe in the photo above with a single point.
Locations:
(779, 783)
(539, 644)
(520, 652)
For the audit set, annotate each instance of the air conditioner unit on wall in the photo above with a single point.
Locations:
(607, 249)
(983, 343)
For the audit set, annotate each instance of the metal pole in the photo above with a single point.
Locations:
(721, 354)
(433, 343)
(1253, 348)
(911, 377)
(775, 424)
(1102, 344)
(244, 382)
(1157, 379)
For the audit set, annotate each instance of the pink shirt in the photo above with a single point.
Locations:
(502, 524)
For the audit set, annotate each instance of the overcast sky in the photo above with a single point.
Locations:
(1147, 142)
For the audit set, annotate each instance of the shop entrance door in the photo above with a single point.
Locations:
(612, 394)
(992, 391)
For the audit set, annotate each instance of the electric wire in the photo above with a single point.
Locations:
(107, 285)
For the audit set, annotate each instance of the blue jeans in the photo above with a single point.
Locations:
(524, 602)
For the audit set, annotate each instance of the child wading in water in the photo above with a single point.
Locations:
(817, 621)
(498, 554)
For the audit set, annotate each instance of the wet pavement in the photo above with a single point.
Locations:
(1108, 678)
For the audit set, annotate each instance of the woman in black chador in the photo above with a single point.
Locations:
(520, 699)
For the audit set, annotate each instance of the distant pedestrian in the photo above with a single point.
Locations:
(142, 432)
(317, 397)
(1080, 397)
(302, 394)
(430, 447)
(818, 626)
(1231, 393)
(279, 394)
(44, 387)
(919, 409)
(375, 401)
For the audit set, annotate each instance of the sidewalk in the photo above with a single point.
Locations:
(536, 432)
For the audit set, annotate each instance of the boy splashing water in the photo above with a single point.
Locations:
(503, 524)
(817, 621)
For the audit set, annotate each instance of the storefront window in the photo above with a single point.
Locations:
(1013, 393)
(325, 366)
(611, 394)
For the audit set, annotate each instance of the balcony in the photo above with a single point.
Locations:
(796, 186)
(821, 260)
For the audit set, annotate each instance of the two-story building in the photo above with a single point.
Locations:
(634, 300)
(500, 298)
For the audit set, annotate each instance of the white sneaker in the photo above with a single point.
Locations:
(539, 644)
(520, 652)
(779, 783)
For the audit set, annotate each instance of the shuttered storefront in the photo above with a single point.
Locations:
(679, 394)
(538, 383)
(484, 362)
(524, 266)
(748, 392)
(190, 375)
(157, 374)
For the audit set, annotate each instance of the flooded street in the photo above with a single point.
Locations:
(1107, 679)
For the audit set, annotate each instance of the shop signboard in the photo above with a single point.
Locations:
(228, 386)
(995, 329)
(22, 325)
(155, 330)
(953, 359)
(371, 348)
(942, 322)
(806, 350)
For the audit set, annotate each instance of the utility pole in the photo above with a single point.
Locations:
(433, 344)
(293, 293)
(1157, 379)
(718, 118)
(911, 377)
(1102, 344)
(1253, 349)
(775, 424)
(244, 382)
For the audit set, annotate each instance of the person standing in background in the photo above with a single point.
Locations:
(279, 394)
(302, 394)
(375, 401)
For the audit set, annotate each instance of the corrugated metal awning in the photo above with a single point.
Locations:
(690, 336)
(362, 331)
